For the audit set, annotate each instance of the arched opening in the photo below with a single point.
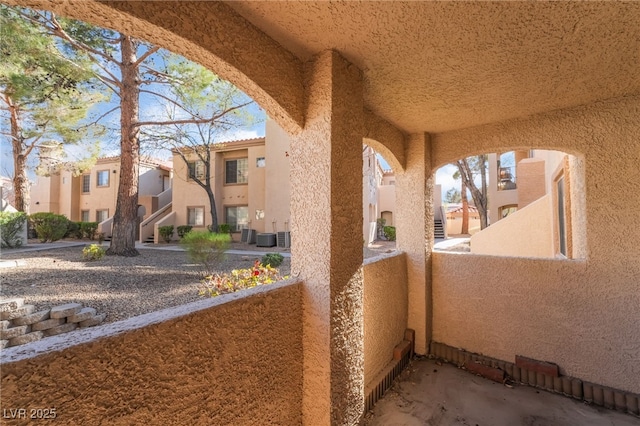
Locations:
(528, 197)
(378, 202)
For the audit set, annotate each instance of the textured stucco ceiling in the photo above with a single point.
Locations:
(438, 66)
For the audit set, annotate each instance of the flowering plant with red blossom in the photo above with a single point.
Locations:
(239, 279)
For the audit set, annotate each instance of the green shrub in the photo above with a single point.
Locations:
(11, 224)
(390, 233)
(272, 259)
(49, 226)
(89, 229)
(93, 252)
(74, 230)
(166, 232)
(183, 230)
(239, 279)
(205, 248)
(224, 228)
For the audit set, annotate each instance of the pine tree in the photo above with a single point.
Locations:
(42, 97)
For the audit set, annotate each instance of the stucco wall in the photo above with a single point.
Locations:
(151, 180)
(276, 187)
(385, 310)
(41, 195)
(532, 180)
(221, 361)
(527, 232)
(582, 315)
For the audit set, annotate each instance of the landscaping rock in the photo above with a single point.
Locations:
(32, 318)
(18, 312)
(63, 311)
(11, 304)
(4, 325)
(26, 338)
(64, 328)
(93, 321)
(47, 324)
(3, 344)
(83, 315)
(12, 332)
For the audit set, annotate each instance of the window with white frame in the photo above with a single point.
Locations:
(102, 178)
(236, 171)
(86, 183)
(102, 215)
(195, 169)
(195, 216)
(236, 217)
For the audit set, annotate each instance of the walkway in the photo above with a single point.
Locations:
(430, 393)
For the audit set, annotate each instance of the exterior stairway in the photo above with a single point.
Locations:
(149, 239)
(438, 229)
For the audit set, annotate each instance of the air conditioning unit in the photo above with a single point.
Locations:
(266, 240)
(251, 236)
(284, 239)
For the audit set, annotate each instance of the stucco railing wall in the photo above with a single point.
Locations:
(106, 227)
(149, 225)
(165, 197)
(527, 232)
(233, 359)
(539, 308)
(385, 310)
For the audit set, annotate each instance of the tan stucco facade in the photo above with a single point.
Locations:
(265, 194)
(580, 314)
(64, 193)
(385, 311)
(193, 364)
(486, 77)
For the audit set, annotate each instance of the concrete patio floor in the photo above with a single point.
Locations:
(428, 393)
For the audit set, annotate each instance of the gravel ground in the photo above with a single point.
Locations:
(121, 287)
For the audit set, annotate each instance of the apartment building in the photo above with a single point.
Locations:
(91, 196)
(531, 209)
(251, 188)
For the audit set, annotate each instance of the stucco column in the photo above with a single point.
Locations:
(326, 211)
(414, 223)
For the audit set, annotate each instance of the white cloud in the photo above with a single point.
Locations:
(444, 177)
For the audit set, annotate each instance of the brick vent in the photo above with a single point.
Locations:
(20, 324)
(402, 354)
(540, 374)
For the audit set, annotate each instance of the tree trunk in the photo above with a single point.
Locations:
(465, 208)
(212, 206)
(125, 219)
(20, 180)
(479, 197)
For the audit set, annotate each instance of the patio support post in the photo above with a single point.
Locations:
(326, 210)
(414, 219)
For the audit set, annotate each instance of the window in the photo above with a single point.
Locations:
(260, 162)
(86, 183)
(236, 171)
(84, 215)
(102, 178)
(507, 210)
(195, 216)
(237, 217)
(195, 170)
(562, 231)
(102, 215)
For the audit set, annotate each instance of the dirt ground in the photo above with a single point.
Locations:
(434, 394)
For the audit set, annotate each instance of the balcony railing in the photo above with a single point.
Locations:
(506, 178)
